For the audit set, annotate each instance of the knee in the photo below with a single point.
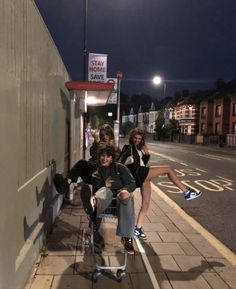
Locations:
(123, 195)
(147, 182)
(145, 205)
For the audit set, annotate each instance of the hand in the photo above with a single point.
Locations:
(108, 182)
(145, 150)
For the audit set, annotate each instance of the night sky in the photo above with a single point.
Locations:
(190, 43)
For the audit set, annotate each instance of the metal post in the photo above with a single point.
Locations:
(72, 128)
(118, 99)
(85, 48)
(84, 125)
(85, 76)
(117, 122)
(164, 87)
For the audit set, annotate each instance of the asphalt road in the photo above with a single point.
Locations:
(210, 170)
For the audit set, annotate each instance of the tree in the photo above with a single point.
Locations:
(164, 130)
(172, 128)
(124, 103)
(127, 126)
(160, 127)
(143, 100)
(220, 84)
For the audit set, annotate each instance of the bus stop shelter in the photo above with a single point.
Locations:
(82, 95)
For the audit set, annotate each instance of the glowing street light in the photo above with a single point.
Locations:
(157, 80)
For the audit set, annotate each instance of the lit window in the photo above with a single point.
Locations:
(203, 128)
(234, 109)
(234, 128)
(203, 112)
(218, 110)
(217, 128)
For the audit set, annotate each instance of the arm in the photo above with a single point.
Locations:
(145, 159)
(126, 151)
(93, 150)
(118, 152)
(97, 182)
(146, 155)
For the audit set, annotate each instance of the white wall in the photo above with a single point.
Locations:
(34, 119)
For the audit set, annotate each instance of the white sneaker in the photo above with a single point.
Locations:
(191, 195)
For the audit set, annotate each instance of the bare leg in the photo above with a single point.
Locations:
(146, 198)
(154, 172)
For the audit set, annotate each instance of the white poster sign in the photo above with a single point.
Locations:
(113, 97)
(97, 67)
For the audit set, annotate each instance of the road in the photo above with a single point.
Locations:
(209, 170)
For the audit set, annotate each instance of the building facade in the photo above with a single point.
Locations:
(186, 114)
(232, 115)
(34, 113)
(214, 115)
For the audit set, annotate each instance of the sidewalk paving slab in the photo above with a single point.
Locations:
(178, 255)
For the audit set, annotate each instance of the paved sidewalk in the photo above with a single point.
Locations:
(176, 255)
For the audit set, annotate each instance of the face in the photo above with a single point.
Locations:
(104, 137)
(105, 160)
(137, 139)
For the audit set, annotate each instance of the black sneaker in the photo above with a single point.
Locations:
(98, 240)
(85, 195)
(191, 194)
(140, 233)
(61, 184)
(128, 245)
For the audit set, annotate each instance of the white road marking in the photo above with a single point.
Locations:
(163, 156)
(209, 157)
(224, 178)
(221, 157)
(226, 184)
(200, 170)
(184, 164)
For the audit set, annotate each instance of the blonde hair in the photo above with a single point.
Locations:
(133, 133)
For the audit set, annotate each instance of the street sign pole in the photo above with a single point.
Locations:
(119, 76)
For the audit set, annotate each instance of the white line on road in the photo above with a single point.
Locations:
(163, 156)
(224, 178)
(200, 170)
(220, 157)
(184, 164)
(209, 157)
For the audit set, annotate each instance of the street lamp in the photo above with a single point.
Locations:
(119, 76)
(85, 47)
(157, 80)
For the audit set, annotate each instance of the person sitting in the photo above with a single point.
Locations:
(112, 179)
(83, 168)
(136, 156)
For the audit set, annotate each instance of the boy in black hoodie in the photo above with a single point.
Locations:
(112, 180)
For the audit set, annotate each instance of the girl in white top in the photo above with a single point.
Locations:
(144, 174)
